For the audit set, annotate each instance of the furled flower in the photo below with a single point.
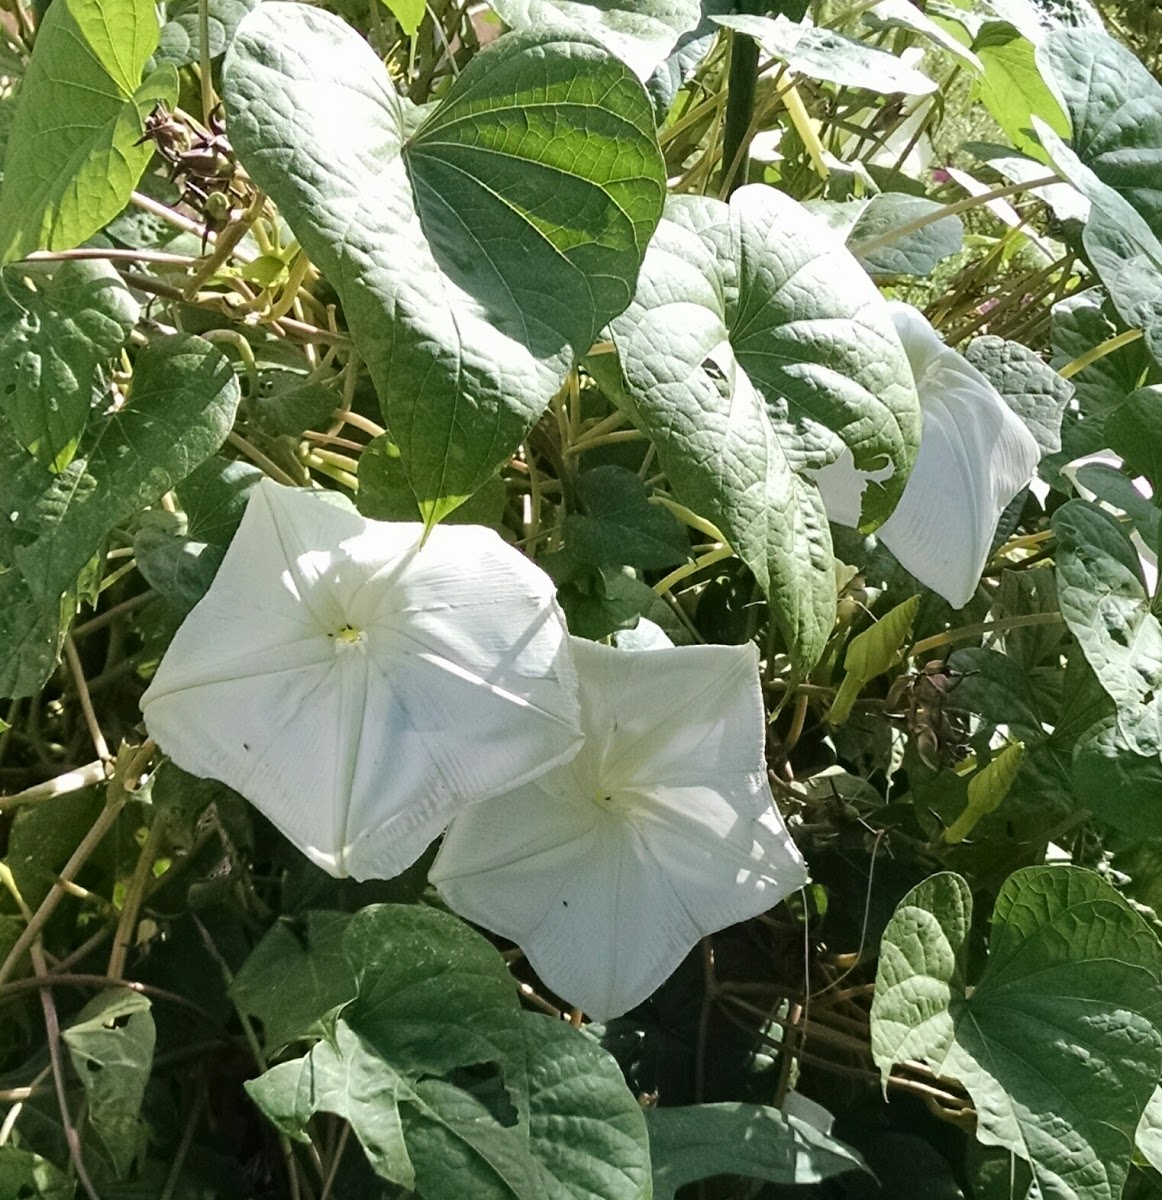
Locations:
(358, 687)
(975, 457)
(607, 870)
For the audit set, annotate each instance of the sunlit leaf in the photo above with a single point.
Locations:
(640, 32)
(73, 154)
(1104, 602)
(57, 339)
(111, 1045)
(824, 54)
(180, 407)
(475, 257)
(757, 350)
(1051, 1081)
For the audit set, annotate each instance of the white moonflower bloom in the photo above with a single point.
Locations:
(975, 456)
(608, 870)
(359, 688)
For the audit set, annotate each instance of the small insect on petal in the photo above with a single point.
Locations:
(607, 870)
(359, 689)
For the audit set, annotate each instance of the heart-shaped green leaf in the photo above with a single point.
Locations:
(178, 42)
(756, 351)
(543, 1111)
(111, 1046)
(1106, 606)
(475, 258)
(73, 155)
(57, 336)
(1115, 109)
(1060, 1042)
(180, 407)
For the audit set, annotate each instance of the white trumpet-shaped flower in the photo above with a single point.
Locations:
(607, 870)
(359, 687)
(975, 456)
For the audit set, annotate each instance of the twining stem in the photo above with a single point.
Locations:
(264, 461)
(134, 895)
(1099, 352)
(971, 632)
(59, 978)
(692, 519)
(357, 422)
(299, 330)
(53, 1030)
(691, 568)
(121, 788)
(868, 245)
(256, 1051)
(187, 1141)
(227, 243)
(205, 75)
(108, 617)
(336, 1157)
(295, 279)
(742, 82)
(94, 726)
(100, 827)
(800, 118)
(156, 209)
(89, 775)
(159, 257)
(608, 439)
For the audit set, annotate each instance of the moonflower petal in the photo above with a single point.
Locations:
(358, 688)
(975, 456)
(607, 870)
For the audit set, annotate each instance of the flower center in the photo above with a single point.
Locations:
(610, 803)
(347, 637)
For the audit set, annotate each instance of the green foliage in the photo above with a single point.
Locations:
(1013, 89)
(1022, 1038)
(1105, 603)
(111, 1045)
(615, 282)
(915, 253)
(520, 273)
(73, 151)
(1033, 390)
(1109, 162)
(57, 337)
(756, 383)
(823, 54)
(409, 996)
(177, 41)
(640, 34)
(694, 1143)
(178, 412)
(618, 526)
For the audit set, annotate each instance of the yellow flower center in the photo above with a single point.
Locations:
(347, 637)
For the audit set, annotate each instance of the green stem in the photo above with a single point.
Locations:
(864, 248)
(204, 69)
(692, 568)
(1098, 352)
(969, 632)
(741, 86)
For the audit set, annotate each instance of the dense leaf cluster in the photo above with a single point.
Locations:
(612, 279)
